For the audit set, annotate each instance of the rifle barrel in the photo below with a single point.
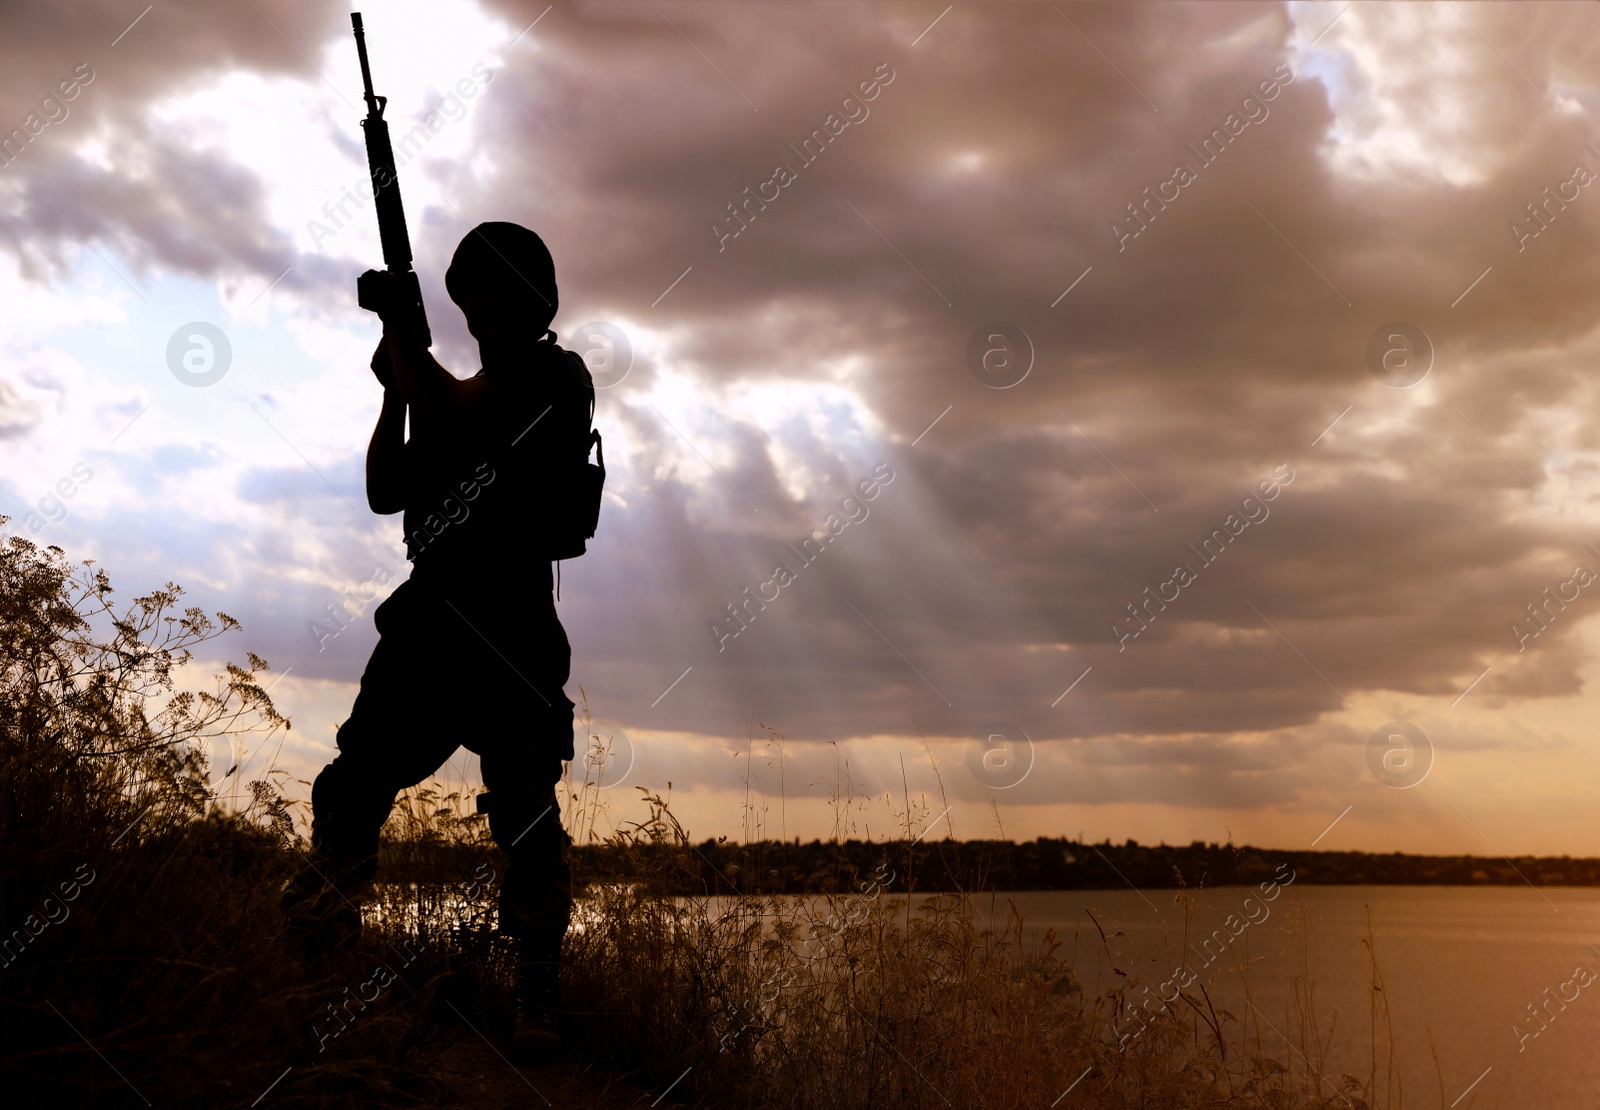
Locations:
(386, 198)
(366, 70)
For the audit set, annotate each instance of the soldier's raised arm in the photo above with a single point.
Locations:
(431, 390)
(387, 476)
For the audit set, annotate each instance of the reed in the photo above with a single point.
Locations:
(165, 978)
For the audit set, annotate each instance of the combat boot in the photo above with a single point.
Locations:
(537, 1036)
(320, 921)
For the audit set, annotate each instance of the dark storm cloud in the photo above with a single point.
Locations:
(18, 414)
(162, 205)
(977, 185)
(1214, 347)
(302, 583)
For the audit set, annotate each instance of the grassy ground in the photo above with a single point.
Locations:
(145, 961)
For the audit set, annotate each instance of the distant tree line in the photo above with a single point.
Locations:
(724, 867)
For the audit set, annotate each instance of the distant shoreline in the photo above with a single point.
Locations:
(1060, 864)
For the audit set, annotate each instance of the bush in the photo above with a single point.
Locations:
(851, 1001)
(139, 921)
(143, 945)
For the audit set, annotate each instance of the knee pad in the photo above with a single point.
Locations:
(552, 726)
(536, 905)
(562, 717)
(523, 821)
(536, 894)
(348, 811)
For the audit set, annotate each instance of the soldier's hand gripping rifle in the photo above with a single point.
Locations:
(393, 293)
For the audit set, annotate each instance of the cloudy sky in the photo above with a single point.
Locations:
(1077, 286)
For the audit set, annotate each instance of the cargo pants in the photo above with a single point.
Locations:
(457, 667)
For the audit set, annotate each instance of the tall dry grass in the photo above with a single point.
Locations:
(144, 957)
(877, 999)
(164, 979)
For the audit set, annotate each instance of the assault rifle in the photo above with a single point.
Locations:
(393, 292)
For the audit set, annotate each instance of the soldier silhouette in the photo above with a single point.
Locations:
(470, 651)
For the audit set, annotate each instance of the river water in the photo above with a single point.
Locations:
(1463, 971)
(1459, 967)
